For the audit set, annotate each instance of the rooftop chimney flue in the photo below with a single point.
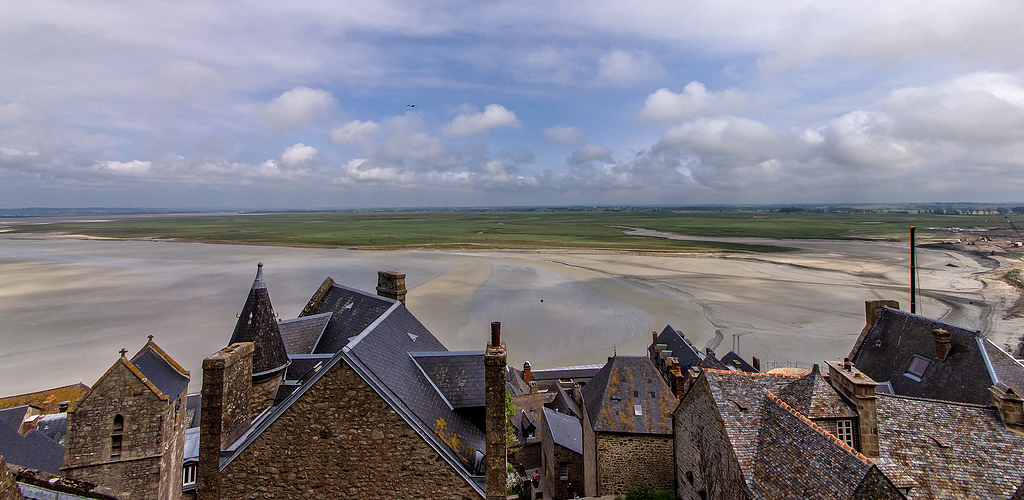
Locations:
(495, 333)
(943, 343)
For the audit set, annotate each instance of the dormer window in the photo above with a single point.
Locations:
(844, 431)
(917, 367)
(116, 434)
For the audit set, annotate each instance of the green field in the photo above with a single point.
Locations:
(515, 229)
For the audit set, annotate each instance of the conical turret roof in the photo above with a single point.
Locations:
(257, 323)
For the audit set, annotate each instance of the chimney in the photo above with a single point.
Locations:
(63, 406)
(527, 372)
(860, 389)
(391, 285)
(756, 363)
(494, 399)
(943, 343)
(225, 413)
(1010, 407)
(655, 334)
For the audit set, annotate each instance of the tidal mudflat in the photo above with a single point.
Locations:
(67, 305)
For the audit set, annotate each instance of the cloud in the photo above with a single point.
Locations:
(299, 155)
(590, 152)
(135, 167)
(549, 65)
(619, 67)
(493, 116)
(563, 135)
(355, 132)
(13, 112)
(664, 106)
(406, 139)
(298, 106)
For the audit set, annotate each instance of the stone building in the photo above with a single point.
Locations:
(911, 355)
(627, 430)
(562, 453)
(371, 405)
(736, 438)
(127, 432)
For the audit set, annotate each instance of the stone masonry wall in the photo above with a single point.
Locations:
(341, 440)
(148, 422)
(704, 460)
(626, 460)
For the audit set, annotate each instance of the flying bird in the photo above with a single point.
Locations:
(410, 105)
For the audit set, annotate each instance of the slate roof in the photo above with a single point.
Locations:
(33, 450)
(193, 410)
(581, 373)
(813, 397)
(53, 426)
(352, 312)
(797, 460)
(191, 445)
(563, 402)
(566, 431)
(952, 450)
(257, 323)
(681, 347)
(41, 485)
(738, 397)
(624, 383)
(733, 361)
(459, 376)
(169, 377)
(380, 353)
(300, 335)
(971, 367)
(12, 418)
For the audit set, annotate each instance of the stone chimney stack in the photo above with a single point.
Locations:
(1010, 407)
(391, 285)
(494, 394)
(226, 410)
(527, 372)
(655, 335)
(860, 389)
(943, 343)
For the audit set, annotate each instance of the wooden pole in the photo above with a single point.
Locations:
(913, 274)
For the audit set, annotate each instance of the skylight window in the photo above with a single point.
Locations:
(917, 367)
(638, 410)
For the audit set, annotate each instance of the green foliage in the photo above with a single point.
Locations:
(510, 413)
(643, 491)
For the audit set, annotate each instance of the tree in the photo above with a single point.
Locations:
(644, 491)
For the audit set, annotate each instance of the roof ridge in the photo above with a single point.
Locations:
(167, 357)
(929, 400)
(757, 374)
(820, 429)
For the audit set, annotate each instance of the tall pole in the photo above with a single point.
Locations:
(913, 274)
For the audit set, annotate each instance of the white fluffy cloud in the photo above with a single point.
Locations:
(493, 116)
(619, 67)
(355, 132)
(664, 106)
(298, 106)
(299, 155)
(562, 134)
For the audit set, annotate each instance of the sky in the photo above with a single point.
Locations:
(341, 104)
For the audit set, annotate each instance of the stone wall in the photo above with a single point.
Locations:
(8, 484)
(152, 438)
(341, 440)
(226, 411)
(626, 460)
(589, 456)
(555, 455)
(706, 466)
(527, 454)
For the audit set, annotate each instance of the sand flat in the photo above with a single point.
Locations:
(68, 305)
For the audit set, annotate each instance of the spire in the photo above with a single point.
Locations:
(258, 282)
(257, 323)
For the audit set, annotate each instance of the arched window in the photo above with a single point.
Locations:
(115, 437)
